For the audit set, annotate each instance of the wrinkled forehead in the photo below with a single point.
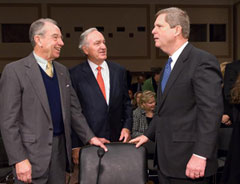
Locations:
(51, 29)
(160, 19)
(95, 36)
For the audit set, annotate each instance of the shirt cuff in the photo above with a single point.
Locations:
(204, 158)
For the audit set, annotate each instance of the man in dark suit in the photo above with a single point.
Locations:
(135, 87)
(190, 106)
(38, 108)
(108, 109)
(230, 76)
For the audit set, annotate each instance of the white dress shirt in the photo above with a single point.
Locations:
(176, 54)
(41, 62)
(105, 76)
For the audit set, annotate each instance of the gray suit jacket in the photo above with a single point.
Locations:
(25, 118)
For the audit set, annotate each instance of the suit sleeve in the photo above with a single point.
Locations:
(10, 115)
(207, 88)
(79, 123)
(127, 107)
(76, 142)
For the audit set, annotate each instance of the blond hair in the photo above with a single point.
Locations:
(145, 97)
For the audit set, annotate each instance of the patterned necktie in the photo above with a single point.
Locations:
(100, 81)
(166, 74)
(49, 69)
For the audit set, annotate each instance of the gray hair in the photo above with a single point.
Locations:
(37, 28)
(83, 37)
(176, 16)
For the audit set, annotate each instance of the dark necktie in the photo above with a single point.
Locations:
(166, 74)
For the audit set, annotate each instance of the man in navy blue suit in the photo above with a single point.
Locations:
(108, 108)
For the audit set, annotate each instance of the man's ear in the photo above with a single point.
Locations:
(37, 40)
(85, 50)
(178, 30)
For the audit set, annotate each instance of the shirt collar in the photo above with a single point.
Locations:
(177, 53)
(94, 66)
(40, 60)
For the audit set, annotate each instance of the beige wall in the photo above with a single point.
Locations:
(137, 53)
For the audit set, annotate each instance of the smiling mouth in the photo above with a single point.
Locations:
(103, 52)
(58, 49)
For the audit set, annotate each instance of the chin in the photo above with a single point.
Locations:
(157, 45)
(56, 56)
(104, 58)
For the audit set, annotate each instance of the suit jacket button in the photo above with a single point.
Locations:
(51, 129)
(50, 144)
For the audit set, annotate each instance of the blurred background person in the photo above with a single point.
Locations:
(230, 76)
(226, 121)
(231, 172)
(136, 99)
(143, 114)
(137, 86)
(152, 82)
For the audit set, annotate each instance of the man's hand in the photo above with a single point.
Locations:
(24, 171)
(75, 155)
(98, 142)
(125, 133)
(196, 167)
(139, 140)
(226, 120)
(103, 140)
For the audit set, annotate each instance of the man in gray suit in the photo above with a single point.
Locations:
(189, 105)
(38, 108)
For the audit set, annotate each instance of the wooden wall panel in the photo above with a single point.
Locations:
(128, 44)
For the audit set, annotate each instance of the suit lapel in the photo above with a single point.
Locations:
(35, 76)
(112, 77)
(177, 69)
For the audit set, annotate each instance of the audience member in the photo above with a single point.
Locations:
(106, 105)
(135, 87)
(151, 83)
(38, 108)
(136, 99)
(131, 96)
(144, 113)
(231, 172)
(189, 106)
(226, 121)
(231, 73)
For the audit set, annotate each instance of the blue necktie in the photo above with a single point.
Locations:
(166, 74)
